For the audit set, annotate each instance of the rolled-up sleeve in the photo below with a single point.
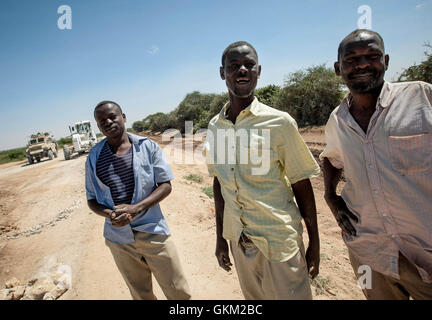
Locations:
(89, 185)
(161, 169)
(332, 151)
(295, 157)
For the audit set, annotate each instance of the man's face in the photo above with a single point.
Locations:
(362, 63)
(241, 71)
(110, 120)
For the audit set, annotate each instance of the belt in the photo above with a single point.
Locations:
(244, 238)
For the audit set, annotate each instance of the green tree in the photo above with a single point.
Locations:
(421, 72)
(194, 107)
(216, 105)
(64, 141)
(138, 126)
(267, 94)
(310, 95)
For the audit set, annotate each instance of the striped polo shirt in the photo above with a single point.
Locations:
(116, 171)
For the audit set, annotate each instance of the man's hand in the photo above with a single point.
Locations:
(342, 214)
(222, 254)
(124, 213)
(313, 259)
(305, 199)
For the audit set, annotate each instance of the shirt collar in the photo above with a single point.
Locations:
(135, 139)
(254, 108)
(383, 100)
(385, 96)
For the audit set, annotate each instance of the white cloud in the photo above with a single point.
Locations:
(421, 5)
(154, 50)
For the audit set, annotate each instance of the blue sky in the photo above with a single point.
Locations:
(147, 55)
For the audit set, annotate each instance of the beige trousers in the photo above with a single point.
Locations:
(385, 287)
(151, 253)
(261, 279)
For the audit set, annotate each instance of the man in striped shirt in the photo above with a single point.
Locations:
(126, 178)
(381, 136)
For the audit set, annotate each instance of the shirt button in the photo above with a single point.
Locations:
(376, 191)
(393, 236)
(232, 169)
(370, 166)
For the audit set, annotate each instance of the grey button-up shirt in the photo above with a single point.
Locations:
(388, 174)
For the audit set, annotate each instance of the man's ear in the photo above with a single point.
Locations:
(259, 70)
(222, 73)
(386, 60)
(337, 68)
(124, 117)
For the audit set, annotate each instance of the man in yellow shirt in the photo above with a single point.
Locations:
(260, 164)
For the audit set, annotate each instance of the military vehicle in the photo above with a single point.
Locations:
(83, 139)
(41, 145)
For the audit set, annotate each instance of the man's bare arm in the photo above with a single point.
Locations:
(305, 199)
(222, 251)
(99, 209)
(336, 204)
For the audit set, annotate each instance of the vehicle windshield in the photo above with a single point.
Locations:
(32, 141)
(41, 140)
(83, 127)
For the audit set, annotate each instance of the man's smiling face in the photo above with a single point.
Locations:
(241, 71)
(362, 63)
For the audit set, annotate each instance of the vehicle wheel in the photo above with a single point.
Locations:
(55, 153)
(50, 154)
(38, 159)
(30, 160)
(66, 153)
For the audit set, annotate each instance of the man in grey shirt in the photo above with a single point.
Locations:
(380, 135)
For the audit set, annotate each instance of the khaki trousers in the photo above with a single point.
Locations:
(385, 287)
(261, 279)
(151, 253)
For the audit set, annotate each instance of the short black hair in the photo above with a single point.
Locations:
(235, 45)
(354, 34)
(102, 103)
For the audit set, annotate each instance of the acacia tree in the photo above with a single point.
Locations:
(138, 126)
(421, 72)
(310, 95)
(194, 107)
(267, 94)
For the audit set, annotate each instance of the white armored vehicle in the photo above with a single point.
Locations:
(83, 139)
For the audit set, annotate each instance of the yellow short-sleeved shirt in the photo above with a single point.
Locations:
(256, 160)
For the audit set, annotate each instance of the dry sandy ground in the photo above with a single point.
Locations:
(32, 198)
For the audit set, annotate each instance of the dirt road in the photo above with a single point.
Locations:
(44, 216)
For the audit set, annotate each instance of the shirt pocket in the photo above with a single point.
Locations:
(411, 154)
